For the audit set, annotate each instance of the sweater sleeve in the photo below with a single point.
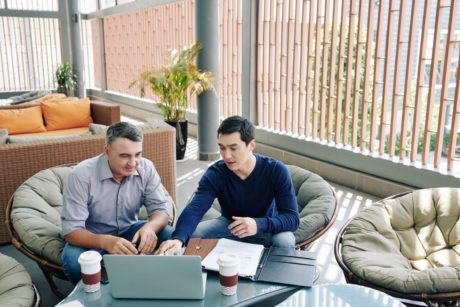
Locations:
(195, 210)
(287, 218)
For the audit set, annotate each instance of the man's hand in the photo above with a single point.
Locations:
(120, 246)
(169, 247)
(243, 226)
(148, 239)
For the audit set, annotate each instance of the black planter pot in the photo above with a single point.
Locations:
(181, 137)
(61, 90)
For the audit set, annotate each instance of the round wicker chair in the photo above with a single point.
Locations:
(317, 202)
(16, 287)
(34, 223)
(406, 246)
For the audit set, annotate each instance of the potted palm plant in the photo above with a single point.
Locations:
(173, 85)
(65, 78)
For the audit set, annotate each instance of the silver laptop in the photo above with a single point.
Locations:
(155, 277)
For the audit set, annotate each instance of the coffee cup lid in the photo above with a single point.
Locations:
(228, 260)
(89, 257)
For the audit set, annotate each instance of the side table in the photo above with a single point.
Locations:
(248, 293)
(345, 295)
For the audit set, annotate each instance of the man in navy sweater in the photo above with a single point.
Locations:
(255, 193)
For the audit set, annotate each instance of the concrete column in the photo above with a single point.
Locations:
(249, 56)
(102, 67)
(73, 20)
(207, 33)
(64, 32)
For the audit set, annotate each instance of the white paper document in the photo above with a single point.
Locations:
(249, 255)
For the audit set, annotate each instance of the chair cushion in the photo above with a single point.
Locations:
(36, 212)
(16, 288)
(407, 244)
(315, 199)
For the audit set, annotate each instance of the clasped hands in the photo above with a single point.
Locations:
(147, 241)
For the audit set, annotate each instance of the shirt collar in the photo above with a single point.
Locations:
(103, 169)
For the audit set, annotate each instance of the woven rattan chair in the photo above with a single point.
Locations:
(34, 224)
(317, 202)
(405, 245)
(16, 286)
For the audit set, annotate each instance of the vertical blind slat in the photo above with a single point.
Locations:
(367, 75)
(451, 153)
(332, 81)
(349, 73)
(277, 91)
(377, 78)
(323, 88)
(407, 104)
(311, 55)
(316, 88)
(357, 93)
(448, 54)
(303, 69)
(338, 108)
(290, 62)
(432, 86)
(420, 84)
(386, 77)
(397, 92)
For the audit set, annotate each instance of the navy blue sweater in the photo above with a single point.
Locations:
(267, 195)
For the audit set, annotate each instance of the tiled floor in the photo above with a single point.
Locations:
(189, 171)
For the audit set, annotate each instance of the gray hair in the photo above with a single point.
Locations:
(123, 130)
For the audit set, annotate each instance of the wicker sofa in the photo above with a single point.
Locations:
(22, 160)
(19, 161)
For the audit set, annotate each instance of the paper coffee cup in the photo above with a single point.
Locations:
(90, 263)
(228, 273)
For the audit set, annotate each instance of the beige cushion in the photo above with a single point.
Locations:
(409, 244)
(98, 129)
(16, 288)
(315, 200)
(36, 210)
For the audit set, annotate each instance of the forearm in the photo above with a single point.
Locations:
(158, 221)
(87, 239)
(280, 223)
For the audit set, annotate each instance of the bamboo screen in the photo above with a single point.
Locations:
(359, 74)
(138, 41)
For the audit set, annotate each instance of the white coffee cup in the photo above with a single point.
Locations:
(90, 263)
(228, 273)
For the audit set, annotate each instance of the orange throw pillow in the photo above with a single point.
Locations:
(26, 120)
(66, 114)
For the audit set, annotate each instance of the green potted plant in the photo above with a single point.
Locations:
(65, 78)
(173, 84)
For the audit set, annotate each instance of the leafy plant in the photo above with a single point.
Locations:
(175, 82)
(65, 77)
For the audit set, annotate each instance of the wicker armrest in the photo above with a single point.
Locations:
(105, 113)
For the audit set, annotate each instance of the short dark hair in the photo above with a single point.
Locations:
(237, 124)
(123, 130)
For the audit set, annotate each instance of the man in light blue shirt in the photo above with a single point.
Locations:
(102, 199)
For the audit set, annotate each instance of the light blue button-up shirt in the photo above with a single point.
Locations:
(95, 201)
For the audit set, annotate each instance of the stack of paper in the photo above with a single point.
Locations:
(249, 255)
